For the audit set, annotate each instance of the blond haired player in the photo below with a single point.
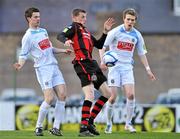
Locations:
(123, 40)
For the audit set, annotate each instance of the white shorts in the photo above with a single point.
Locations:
(120, 75)
(49, 76)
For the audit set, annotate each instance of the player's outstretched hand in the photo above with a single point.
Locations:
(68, 51)
(108, 24)
(151, 75)
(17, 66)
(69, 43)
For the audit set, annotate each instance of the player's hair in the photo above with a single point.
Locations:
(76, 12)
(30, 11)
(130, 11)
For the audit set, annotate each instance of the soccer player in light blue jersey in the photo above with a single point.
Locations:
(123, 40)
(36, 43)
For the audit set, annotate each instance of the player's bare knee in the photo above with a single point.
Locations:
(130, 96)
(62, 96)
(112, 100)
(49, 100)
(107, 94)
(90, 97)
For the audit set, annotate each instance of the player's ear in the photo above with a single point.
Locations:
(28, 19)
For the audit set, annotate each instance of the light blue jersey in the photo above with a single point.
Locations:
(36, 43)
(124, 43)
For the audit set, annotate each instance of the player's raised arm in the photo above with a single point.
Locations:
(107, 27)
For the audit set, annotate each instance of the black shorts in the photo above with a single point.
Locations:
(89, 72)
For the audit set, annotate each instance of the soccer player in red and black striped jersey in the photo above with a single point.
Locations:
(87, 69)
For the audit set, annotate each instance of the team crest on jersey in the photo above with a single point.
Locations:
(45, 35)
(86, 35)
(133, 40)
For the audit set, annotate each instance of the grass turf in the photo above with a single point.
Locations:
(74, 135)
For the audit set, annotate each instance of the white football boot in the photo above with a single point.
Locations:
(108, 129)
(130, 128)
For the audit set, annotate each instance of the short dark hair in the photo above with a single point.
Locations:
(30, 11)
(130, 11)
(76, 12)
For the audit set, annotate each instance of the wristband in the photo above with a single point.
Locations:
(147, 68)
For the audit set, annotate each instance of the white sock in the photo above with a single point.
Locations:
(43, 110)
(130, 105)
(59, 113)
(109, 112)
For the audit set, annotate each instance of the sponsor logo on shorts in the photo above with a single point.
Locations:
(46, 83)
(112, 81)
(94, 77)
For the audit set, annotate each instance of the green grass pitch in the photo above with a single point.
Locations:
(74, 135)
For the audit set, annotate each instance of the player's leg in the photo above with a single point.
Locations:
(59, 111)
(109, 109)
(44, 75)
(60, 91)
(130, 105)
(43, 110)
(128, 86)
(114, 83)
(89, 97)
(98, 106)
(99, 84)
(82, 69)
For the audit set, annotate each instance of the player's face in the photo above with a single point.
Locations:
(81, 18)
(34, 21)
(129, 21)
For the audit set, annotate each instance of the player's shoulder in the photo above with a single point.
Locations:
(137, 31)
(114, 30)
(27, 35)
(69, 27)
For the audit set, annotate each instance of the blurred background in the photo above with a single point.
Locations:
(158, 21)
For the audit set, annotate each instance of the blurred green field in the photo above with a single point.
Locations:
(74, 135)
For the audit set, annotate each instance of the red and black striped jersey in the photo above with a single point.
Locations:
(84, 42)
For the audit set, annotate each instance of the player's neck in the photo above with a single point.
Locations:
(33, 27)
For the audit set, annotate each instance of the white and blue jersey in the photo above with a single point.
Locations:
(124, 43)
(36, 43)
